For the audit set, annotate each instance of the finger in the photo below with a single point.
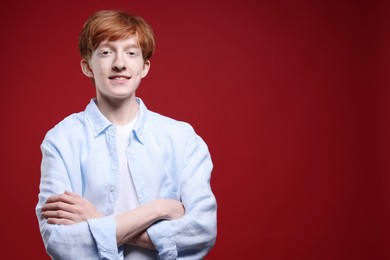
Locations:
(58, 206)
(64, 215)
(61, 198)
(57, 214)
(72, 194)
(60, 221)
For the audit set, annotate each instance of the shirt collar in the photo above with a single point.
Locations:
(140, 125)
(100, 123)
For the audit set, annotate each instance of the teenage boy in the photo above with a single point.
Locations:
(117, 180)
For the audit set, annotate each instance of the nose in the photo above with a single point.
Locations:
(118, 64)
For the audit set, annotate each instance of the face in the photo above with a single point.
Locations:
(117, 68)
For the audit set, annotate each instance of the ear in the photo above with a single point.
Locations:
(86, 68)
(146, 68)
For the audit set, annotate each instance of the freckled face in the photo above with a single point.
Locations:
(117, 68)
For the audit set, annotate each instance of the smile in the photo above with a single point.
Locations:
(119, 77)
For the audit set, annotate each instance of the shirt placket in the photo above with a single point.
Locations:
(112, 185)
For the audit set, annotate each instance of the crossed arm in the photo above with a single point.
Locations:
(70, 208)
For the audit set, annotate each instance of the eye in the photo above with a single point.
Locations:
(132, 53)
(105, 52)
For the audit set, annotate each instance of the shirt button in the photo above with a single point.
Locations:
(112, 188)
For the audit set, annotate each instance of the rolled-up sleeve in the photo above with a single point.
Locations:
(94, 239)
(193, 235)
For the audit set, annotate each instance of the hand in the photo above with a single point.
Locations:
(68, 208)
(172, 209)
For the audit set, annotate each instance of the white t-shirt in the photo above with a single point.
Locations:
(127, 196)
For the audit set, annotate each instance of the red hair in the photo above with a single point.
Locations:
(114, 25)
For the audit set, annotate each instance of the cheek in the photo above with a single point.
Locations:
(137, 66)
(101, 69)
(142, 70)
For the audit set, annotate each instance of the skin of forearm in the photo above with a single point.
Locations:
(132, 223)
(141, 240)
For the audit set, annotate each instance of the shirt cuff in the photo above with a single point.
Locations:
(161, 235)
(103, 231)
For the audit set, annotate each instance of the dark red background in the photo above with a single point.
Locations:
(292, 99)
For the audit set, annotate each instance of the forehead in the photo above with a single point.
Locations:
(129, 41)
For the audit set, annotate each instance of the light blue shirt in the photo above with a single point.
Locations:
(167, 160)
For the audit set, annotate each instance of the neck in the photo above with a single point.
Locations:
(118, 112)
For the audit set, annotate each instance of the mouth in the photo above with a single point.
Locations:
(119, 77)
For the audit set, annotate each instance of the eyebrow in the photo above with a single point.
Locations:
(128, 46)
